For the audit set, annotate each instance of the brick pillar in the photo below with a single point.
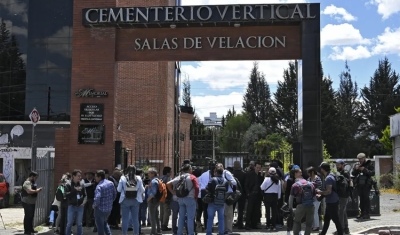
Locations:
(184, 126)
(93, 66)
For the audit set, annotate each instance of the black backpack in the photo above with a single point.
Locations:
(220, 192)
(60, 193)
(181, 188)
(131, 189)
(342, 186)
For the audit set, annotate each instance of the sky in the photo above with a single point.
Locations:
(359, 31)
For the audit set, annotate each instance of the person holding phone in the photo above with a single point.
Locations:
(76, 194)
(29, 196)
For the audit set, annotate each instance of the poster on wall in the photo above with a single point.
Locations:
(91, 112)
(91, 134)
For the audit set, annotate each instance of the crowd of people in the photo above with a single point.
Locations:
(135, 199)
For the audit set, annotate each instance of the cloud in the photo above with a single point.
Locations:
(221, 75)
(349, 53)
(342, 35)
(338, 13)
(388, 42)
(16, 8)
(16, 30)
(217, 103)
(221, 2)
(386, 8)
(63, 49)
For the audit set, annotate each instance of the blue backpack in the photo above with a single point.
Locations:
(307, 193)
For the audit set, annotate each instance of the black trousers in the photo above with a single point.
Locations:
(241, 204)
(29, 211)
(88, 214)
(253, 212)
(202, 210)
(332, 213)
(63, 213)
(271, 205)
(363, 192)
(115, 217)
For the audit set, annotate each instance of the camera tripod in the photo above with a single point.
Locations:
(2, 221)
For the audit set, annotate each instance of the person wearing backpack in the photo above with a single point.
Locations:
(186, 188)
(272, 188)
(165, 207)
(304, 193)
(153, 201)
(343, 184)
(331, 200)
(217, 187)
(131, 188)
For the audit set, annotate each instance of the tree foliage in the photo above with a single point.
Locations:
(230, 138)
(286, 104)
(12, 76)
(255, 132)
(257, 99)
(385, 140)
(186, 96)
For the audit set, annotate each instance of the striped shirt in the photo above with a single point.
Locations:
(317, 182)
(104, 195)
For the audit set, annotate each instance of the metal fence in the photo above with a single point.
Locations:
(45, 169)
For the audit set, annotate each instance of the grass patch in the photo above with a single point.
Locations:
(390, 190)
(396, 210)
(15, 224)
(39, 228)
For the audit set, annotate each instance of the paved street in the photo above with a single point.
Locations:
(389, 204)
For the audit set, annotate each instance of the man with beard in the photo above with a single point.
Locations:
(363, 171)
(252, 188)
(344, 193)
(29, 193)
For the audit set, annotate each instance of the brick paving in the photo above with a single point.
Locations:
(389, 218)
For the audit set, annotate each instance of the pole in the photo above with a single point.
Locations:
(213, 143)
(33, 150)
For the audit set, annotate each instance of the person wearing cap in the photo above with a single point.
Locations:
(343, 199)
(272, 188)
(89, 184)
(363, 173)
(331, 199)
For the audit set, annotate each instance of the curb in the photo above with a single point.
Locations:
(376, 227)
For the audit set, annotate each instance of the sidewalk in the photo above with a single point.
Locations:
(389, 202)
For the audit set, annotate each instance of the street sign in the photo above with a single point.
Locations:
(34, 116)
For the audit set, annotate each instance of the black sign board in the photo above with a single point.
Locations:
(86, 93)
(165, 15)
(91, 134)
(92, 112)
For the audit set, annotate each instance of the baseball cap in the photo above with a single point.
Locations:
(295, 167)
(340, 161)
(326, 166)
(361, 155)
(272, 170)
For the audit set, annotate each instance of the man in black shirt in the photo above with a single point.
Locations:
(241, 176)
(90, 186)
(76, 195)
(252, 188)
(344, 195)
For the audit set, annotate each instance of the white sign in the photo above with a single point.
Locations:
(34, 116)
(210, 42)
(395, 125)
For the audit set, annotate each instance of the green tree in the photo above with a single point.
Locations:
(329, 115)
(379, 98)
(223, 121)
(348, 107)
(186, 97)
(257, 99)
(230, 138)
(230, 113)
(197, 124)
(286, 103)
(255, 132)
(12, 77)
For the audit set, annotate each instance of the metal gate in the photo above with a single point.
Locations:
(45, 169)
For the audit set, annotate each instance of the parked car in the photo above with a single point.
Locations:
(4, 192)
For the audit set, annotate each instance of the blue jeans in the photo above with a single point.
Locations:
(187, 208)
(175, 212)
(100, 217)
(74, 212)
(51, 219)
(130, 209)
(212, 208)
(143, 210)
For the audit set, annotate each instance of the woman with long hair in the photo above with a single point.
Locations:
(131, 188)
(272, 187)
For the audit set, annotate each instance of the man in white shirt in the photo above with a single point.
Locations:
(203, 183)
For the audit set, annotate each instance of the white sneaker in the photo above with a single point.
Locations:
(289, 233)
